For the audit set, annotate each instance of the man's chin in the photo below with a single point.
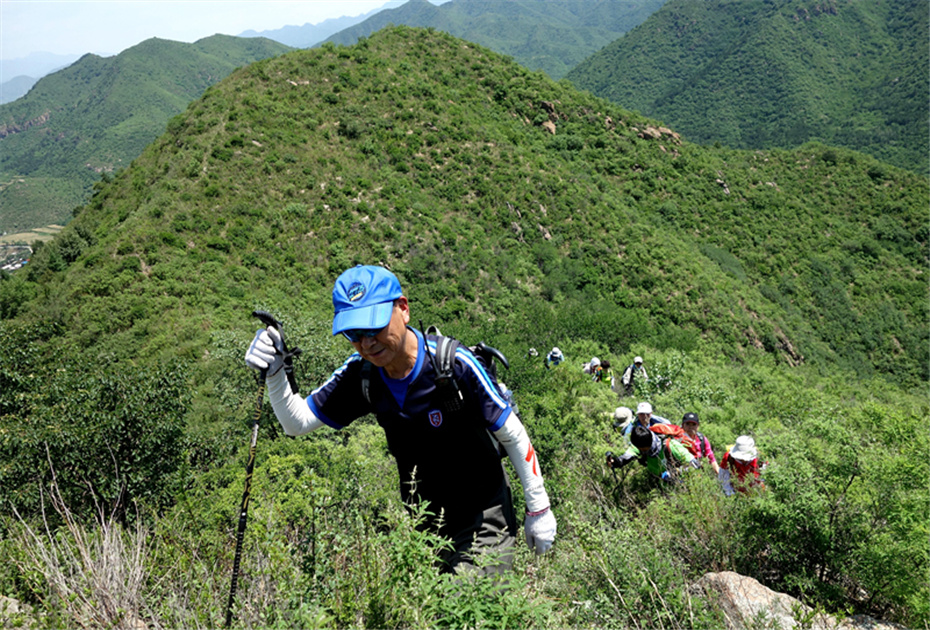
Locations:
(378, 359)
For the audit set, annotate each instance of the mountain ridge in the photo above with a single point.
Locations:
(777, 74)
(62, 148)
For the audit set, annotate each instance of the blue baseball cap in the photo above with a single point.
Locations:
(363, 297)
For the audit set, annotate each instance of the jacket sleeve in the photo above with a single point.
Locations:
(513, 437)
(292, 410)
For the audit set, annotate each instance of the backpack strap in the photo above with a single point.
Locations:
(443, 361)
(366, 380)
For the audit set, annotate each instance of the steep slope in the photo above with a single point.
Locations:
(97, 115)
(502, 199)
(548, 35)
(757, 74)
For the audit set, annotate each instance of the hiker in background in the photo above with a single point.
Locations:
(604, 374)
(739, 467)
(623, 416)
(631, 373)
(645, 418)
(591, 366)
(554, 357)
(702, 449)
(664, 458)
(446, 448)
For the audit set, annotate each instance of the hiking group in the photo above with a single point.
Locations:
(447, 421)
(668, 450)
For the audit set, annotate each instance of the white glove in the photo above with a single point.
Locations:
(266, 351)
(540, 531)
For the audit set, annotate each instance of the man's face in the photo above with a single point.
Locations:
(389, 345)
(643, 418)
(638, 365)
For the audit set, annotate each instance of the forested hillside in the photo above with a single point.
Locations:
(781, 294)
(97, 115)
(757, 74)
(548, 35)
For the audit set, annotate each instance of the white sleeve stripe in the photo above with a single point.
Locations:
(483, 377)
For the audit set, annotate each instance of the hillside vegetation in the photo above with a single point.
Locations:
(97, 115)
(778, 293)
(758, 74)
(548, 35)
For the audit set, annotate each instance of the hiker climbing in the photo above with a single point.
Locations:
(701, 448)
(630, 374)
(443, 428)
(739, 467)
(554, 357)
(591, 366)
(645, 418)
(623, 416)
(663, 457)
(604, 374)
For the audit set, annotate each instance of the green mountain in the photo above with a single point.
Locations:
(548, 35)
(778, 293)
(760, 73)
(97, 115)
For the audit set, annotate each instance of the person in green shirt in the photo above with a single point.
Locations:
(661, 457)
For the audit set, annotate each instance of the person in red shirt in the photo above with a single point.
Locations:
(703, 450)
(739, 468)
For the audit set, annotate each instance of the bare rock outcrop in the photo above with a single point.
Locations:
(746, 603)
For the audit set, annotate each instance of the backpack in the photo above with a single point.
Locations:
(675, 431)
(443, 362)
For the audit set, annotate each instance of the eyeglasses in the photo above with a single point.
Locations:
(356, 334)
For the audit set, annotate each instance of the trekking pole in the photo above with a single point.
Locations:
(267, 320)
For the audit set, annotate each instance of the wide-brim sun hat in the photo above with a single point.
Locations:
(363, 298)
(744, 449)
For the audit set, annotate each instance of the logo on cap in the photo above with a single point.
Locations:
(356, 292)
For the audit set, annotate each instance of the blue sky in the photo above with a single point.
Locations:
(107, 27)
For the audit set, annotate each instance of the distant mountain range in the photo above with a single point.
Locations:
(98, 114)
(548, 35)
(18, 75)
(776, 73)
(310, 34)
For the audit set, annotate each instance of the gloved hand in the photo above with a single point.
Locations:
(540, 531)
(266, 351)
(611, 460)
(666, 476)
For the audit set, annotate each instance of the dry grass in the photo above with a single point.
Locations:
(94, 576)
